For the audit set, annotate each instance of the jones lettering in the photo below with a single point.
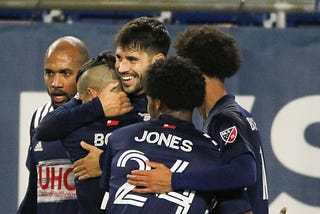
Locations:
(169, 140)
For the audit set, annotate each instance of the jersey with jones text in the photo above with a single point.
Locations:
(173, 142)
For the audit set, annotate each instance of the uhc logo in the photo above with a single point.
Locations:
(55, 181)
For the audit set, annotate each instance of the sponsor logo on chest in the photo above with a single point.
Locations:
(55, 181)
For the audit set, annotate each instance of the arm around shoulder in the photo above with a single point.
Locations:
(240, 172)
(67, 118)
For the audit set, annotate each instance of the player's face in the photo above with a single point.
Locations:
(132, 66)
(60, 73)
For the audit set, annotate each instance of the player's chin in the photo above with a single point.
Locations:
(57, 104)
(133, 89)
(129, 89)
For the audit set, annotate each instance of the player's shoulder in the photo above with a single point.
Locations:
(47, 107)
(40, 113)
(225, 122)
(226, 116)
(126, 130)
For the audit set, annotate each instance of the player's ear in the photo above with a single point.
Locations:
(157, 104)
(92, 92)
(157, 57)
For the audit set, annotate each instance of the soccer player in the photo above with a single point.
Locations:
(51, 181)
(92, 77)
(139, 43)
(231, 126)
(170, 138)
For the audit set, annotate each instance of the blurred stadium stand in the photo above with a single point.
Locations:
(261, 13)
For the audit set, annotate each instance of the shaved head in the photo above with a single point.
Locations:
(69, 42)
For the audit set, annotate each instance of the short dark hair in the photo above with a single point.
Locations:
(146, 34)
(212, 50)
(176, 82)
(104, 58)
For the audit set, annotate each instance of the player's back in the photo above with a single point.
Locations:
(175, 143)
(260, 189)
(88, 191)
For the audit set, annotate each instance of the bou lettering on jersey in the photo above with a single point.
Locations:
(55, 181)
(101, 139)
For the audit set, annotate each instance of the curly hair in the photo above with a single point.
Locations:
(176, 82)
(146, 34)
(213, 51)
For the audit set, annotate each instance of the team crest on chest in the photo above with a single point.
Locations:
(229, 135)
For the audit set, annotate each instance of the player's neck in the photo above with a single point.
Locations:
(214, 91)
(182, 115)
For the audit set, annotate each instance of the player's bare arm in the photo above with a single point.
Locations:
(114, 103)
(88, 167)
(157, 180)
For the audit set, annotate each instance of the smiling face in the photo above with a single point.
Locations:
(61, 67)
(132, 66)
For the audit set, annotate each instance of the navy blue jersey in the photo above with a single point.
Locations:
(88, 191)
(51, 186)
(173, 142)
(72, 115)
(74, 122)
(234, 129)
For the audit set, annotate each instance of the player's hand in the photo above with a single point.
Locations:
(88, 167)
(114, 103)
(156, 180)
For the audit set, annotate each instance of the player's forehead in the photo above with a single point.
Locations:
(67, 59)
(130, 52)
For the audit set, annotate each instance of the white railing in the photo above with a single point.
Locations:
(287, 6)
